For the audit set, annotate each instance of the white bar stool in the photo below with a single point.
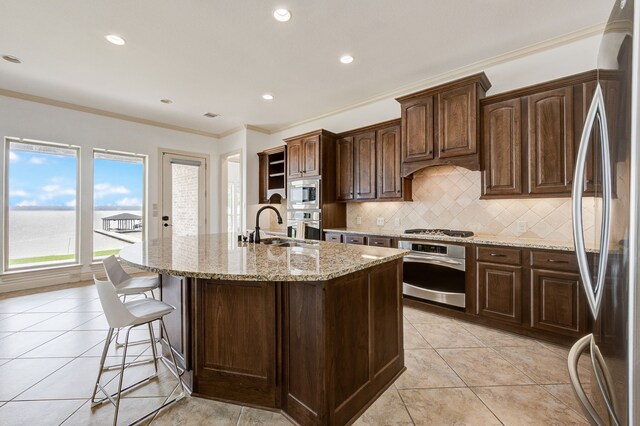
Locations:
(121, 315)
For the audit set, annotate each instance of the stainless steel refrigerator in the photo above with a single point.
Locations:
(606, 232)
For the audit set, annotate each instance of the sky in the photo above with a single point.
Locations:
(41, 179)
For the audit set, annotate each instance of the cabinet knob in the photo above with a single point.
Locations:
(497, 255)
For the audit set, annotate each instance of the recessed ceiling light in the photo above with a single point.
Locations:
(115, 39)
(267, 97)
(210, 114)
(166, 101)
(11, 59)
(346, 59)
(282, 15)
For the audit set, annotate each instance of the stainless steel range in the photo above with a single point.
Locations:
(435, 271)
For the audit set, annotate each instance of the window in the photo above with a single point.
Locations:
(41, 193)
(118, 200)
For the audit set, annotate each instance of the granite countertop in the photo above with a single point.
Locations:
(476, 239)
(219, 256)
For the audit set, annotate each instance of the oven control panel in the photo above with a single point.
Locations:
(429, 248)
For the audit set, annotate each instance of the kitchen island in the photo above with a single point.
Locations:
(313, 329)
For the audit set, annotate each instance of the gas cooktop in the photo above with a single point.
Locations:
(440, 232)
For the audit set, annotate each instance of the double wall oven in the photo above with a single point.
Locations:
(304, 214)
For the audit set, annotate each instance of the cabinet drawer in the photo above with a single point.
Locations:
(499, 255)
(554, 261)
(330, 236)
(354, 239)
(380, 241)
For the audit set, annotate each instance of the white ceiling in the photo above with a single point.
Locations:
(221, 56)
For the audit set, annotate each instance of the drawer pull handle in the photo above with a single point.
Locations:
(497, 255)
(557, 261)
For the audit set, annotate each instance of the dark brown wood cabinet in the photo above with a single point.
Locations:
(502, 143)
(344, 168)
(499, 290)
(388, 154)
(440, 125)
(303, 157)
(550, 140)
(364, 160)
(557, 302)
(294, 159)
(272, 185)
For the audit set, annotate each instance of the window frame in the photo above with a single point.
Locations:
(5, 211)
(145, 189)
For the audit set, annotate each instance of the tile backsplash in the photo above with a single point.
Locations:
(449, 197)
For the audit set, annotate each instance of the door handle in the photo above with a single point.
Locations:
(165, 217)
(593, 290)
(572, 362)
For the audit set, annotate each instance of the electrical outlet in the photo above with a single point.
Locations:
(358, 220)
(396, 221)
(380, 221)
(521, 226)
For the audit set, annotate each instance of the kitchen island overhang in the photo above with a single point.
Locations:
(314, 330)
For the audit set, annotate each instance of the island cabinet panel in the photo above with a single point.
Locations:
(236, 332)
(176, 292)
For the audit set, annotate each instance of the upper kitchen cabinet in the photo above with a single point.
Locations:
(368, 164)
(440, 125)
(304, 156)
(530, 137)
(273, 181)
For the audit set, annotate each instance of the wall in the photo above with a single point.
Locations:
(30, 120)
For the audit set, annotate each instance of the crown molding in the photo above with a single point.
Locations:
(462, 71)
(104, 113)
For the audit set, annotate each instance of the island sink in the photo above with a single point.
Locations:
(312, 331)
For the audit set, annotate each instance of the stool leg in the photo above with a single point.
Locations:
(102, 359)
(173, 358)
(124, 360)
(153, 346)
(124, 299)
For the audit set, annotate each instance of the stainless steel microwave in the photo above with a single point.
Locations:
(303, 194)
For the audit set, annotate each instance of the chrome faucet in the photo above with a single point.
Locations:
(256, 238)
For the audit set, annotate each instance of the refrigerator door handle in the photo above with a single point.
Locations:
(574, 357)
(593, 290)
(604, 381)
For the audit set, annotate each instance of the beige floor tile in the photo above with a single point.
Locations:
(88, 306)
(566, 394)
(417, 316)
(542, 365)
(63, 322)
(19, 343)
(16, 305)
(527, 405)
(162, 385)
(98, 323)
(70, 344)
(140, 334)
(255, 417)
(19, 322)
(413, 339)
(451, 406)
(387, 410)
(59, 305)
(18, 375)
(426, 369)
(192, 411)
(483, 367)
(450, 335)
(493, 337)
(131, 409)
(41, 413)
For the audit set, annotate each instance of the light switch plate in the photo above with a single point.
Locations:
(380, 221)
(358, 220)
(521, 226)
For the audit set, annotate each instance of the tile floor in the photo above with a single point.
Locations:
(457, 373)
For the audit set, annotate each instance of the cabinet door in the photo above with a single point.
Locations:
(499, 292)
(344, 165)
(388, 170)
(550, 123)
(311, 156)
(502, 146)
(557, 303)
(365, 166)
(457, 122)
(417, 129)
(263, 171)
(294, 159)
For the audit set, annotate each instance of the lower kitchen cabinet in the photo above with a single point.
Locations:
(499, 291)
(557, 302)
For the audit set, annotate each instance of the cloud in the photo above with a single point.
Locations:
(13, 156)
(71, 203)
(100, 190)
(129, 202)
(27, 203)
(18, 193)
(53, 191)
(37, 160)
